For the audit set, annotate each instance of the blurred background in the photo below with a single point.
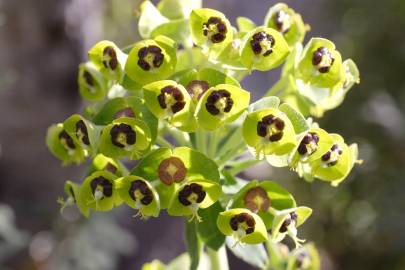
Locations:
(359, 225)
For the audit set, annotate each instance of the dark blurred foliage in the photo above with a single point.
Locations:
(356, 226)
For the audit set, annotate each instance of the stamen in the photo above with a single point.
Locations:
(282, 21)
(331, 157)
(309, 144)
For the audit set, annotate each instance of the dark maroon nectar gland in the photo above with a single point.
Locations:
(271, 128)
(242, 224)
(172, 170)
(123, 136)
(67, 141)
(262, 43)
(331, 157)
(150, 57)
(140, 193)
(126, 112)
(81, 132)
(192, 194)
(101, 188)
(110, 168)
(219, 102)
(171, 98)
(309, 144)
(322, 60)
(282, 21)
(215, 29)
(88, 78)
(256, 199)
(197, 88)
(110, 60)
(290, 219)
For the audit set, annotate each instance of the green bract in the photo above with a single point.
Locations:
(139, 194)
(125, 137)
(221, 104)
(305, 257)
(210, 29)
(263, 49)
(242, 224)
(92, 84)
(320, 64)
(83, 132)
(151, 60)
(98, 192)
(72, 193)
(287, 22)
(169, 100)
(63, 146)
(168, 169)
(269, 131)
(109, 59)
(103, 163)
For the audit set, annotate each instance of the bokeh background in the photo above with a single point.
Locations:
(359, 225)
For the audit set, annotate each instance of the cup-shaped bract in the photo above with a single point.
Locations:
(72, 194)
(83, 132)
(221, 104)
(269, 131)
(320, 64)
(139, 194)
(92, 84)
(130, 106)
(63, 146)
(210, 29)
(334, 164)
(103, 163)
(289, 23)
(169, 100)
(305, 257)
(109, 59)
(171, 168)
(242, 224)
(125, 137)
(98, 191)
(152, 59)
(287, 221)
(263, 49)
(193, 195)
(311, 146)
(261, 197)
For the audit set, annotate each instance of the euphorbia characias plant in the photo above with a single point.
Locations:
(173, 103)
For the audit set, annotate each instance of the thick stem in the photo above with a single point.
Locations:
(277, 87)
(201, 141)
(219, 259)
(163, 142)
(212, 147)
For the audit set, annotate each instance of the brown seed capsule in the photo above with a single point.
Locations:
(256, 199)
(102, 184)
(191, 194)
(126, 112)
(171, 170)
(243, 221)
(171, 97)
(219, 102)
(322, 59)
(215, 29)
(150, 57)
(66, 140)
(139, 191)
(197, 88)
(122, 135)
(81, 132)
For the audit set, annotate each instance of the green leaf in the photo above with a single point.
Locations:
(208, 230)
(194, 246)
(264, 103)
(178, 30)
(255, 255)
(150, 19)
(297, 119)
(245, 24)
(178, 9)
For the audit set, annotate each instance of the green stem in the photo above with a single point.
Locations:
(277, 87)
(212, 147)
(182, 138)
(201, 141)
(219, 259)
(163, 142)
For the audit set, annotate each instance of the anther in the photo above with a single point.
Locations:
(262, 43)
(322, 59)
(150, 57)
(219, 102)
(172, 98)
(122, 135)
(215, 29)
(172, 170)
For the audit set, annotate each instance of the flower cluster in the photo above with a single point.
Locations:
(173, 102)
